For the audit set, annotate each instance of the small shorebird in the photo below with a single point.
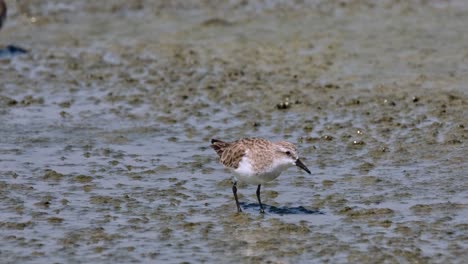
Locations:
(256, 161)
(3, 12)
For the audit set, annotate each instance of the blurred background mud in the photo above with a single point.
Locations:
(105, 126)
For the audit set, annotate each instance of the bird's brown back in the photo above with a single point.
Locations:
(231, 153)
(219, 146)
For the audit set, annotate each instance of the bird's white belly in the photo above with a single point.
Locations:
(246, 173)
(257, 178)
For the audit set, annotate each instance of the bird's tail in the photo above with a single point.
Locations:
(219, 146)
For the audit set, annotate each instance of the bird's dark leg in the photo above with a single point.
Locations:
(234, 190)
(260, 201)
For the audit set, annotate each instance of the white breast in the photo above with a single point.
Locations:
(245, 172)
(245, 168)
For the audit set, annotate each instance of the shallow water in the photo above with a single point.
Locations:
(106, 123)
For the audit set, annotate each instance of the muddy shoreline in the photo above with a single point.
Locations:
(105, 126)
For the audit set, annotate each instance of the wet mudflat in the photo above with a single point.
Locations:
(105, 127)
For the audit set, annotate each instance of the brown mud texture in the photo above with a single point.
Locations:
(105, 126)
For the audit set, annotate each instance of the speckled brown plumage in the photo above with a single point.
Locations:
(231, 153)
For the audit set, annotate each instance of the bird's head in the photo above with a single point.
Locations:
(287, 153)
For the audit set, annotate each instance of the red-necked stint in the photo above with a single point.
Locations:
(256, 161)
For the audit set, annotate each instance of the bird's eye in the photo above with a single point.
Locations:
(288, 153)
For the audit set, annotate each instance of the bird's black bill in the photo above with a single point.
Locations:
(302, 166)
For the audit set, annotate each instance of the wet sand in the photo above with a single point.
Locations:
(105, 126)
